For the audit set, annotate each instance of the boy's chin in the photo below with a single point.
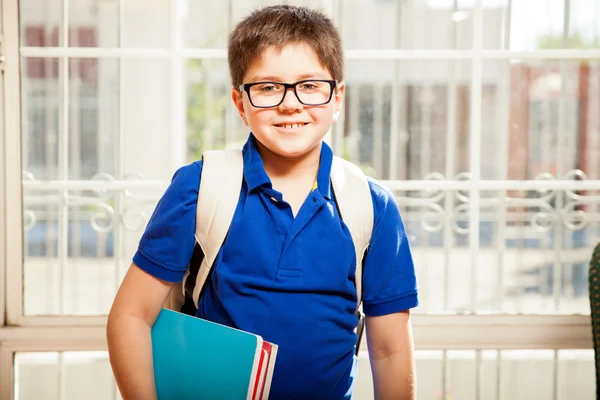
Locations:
(292, 149)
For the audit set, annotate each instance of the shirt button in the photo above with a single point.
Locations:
(274, 199)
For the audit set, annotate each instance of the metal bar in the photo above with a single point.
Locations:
(477, 374)
(444, 373)
(119, 156)
(504, 90)
(63, 167)
(424, 149)
(3, 189)
(498, 375)
(557, 278)
(12, 165)
(231, 114)
(555, 375)
(338, 138)
(103, 52)
(62, 376)
(354, 134)
(75, 169)
(377, 132)
(401, 185)
(53, 185)
(450, 164)
(350, 54)
(51, 116)
(396, 102)
(475, 148)
(178, 142)
(208, 141)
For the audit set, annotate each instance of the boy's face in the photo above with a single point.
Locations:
(290, 129)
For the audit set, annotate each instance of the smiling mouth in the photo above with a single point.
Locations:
(292, 126)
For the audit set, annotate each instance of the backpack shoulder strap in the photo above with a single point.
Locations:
(218, 195)
(353, 198)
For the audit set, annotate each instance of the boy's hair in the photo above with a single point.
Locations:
(279, 26)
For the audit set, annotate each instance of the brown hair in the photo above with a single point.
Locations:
(279, 26)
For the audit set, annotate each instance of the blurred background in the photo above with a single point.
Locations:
(483, 117)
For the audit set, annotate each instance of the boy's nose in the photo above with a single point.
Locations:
(290, 101)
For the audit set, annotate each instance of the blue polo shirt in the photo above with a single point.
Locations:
(288, 279)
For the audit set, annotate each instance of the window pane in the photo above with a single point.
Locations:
(148, 23)
(540, 117)
(41, 108)
(41, 23)
(414, 128)
(78, 246)
(149, 137)
(93, 117)
(504, 375)
(406, 24)
(63, 376)
(217, 18)
(99, 23)
(531, 29)
(576, 370)
(519, 368)
(584, 25)
(212, 122)
(81, 241)
(94, 23)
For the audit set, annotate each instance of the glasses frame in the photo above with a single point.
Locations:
(245, 87)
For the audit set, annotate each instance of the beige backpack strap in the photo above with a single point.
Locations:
(218, 195)
(353, 198)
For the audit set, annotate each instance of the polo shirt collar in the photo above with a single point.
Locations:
(254, 169)
(324, 174)
(255, 175)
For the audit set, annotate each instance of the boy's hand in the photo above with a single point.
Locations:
(390, 343)
(136, 306)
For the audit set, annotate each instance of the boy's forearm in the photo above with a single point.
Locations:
(130, 352)
(394, 377)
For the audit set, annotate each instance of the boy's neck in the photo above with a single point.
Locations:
(278, 167)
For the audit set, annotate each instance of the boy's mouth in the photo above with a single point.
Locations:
(292, 126)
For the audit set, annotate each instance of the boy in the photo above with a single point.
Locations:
(286, 268)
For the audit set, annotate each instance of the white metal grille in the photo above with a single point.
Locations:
(491, 234)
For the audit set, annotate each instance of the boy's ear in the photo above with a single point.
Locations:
(238, 101)
(339, 100)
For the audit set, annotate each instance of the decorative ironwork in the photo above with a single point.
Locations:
(544, 208)
(107, 208)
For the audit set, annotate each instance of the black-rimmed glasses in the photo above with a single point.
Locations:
(310, 92)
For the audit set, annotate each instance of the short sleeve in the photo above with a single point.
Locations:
(389, 279)
(167, 244)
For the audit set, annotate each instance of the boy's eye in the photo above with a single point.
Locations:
(267, 88)
(309, 86)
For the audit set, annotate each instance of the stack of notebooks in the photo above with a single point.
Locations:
(198, 359)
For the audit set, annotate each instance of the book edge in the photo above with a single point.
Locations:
(253, 374)
(270, 370)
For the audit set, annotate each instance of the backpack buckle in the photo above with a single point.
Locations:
(359, 329)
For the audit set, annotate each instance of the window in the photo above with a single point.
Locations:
(481, 116)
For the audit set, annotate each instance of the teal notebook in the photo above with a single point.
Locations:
(198, 359)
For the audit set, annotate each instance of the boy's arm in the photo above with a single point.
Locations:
(136, 306)
(390, 343)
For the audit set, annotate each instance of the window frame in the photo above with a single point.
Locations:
(65, 333)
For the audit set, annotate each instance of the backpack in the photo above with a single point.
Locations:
(218, 195)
